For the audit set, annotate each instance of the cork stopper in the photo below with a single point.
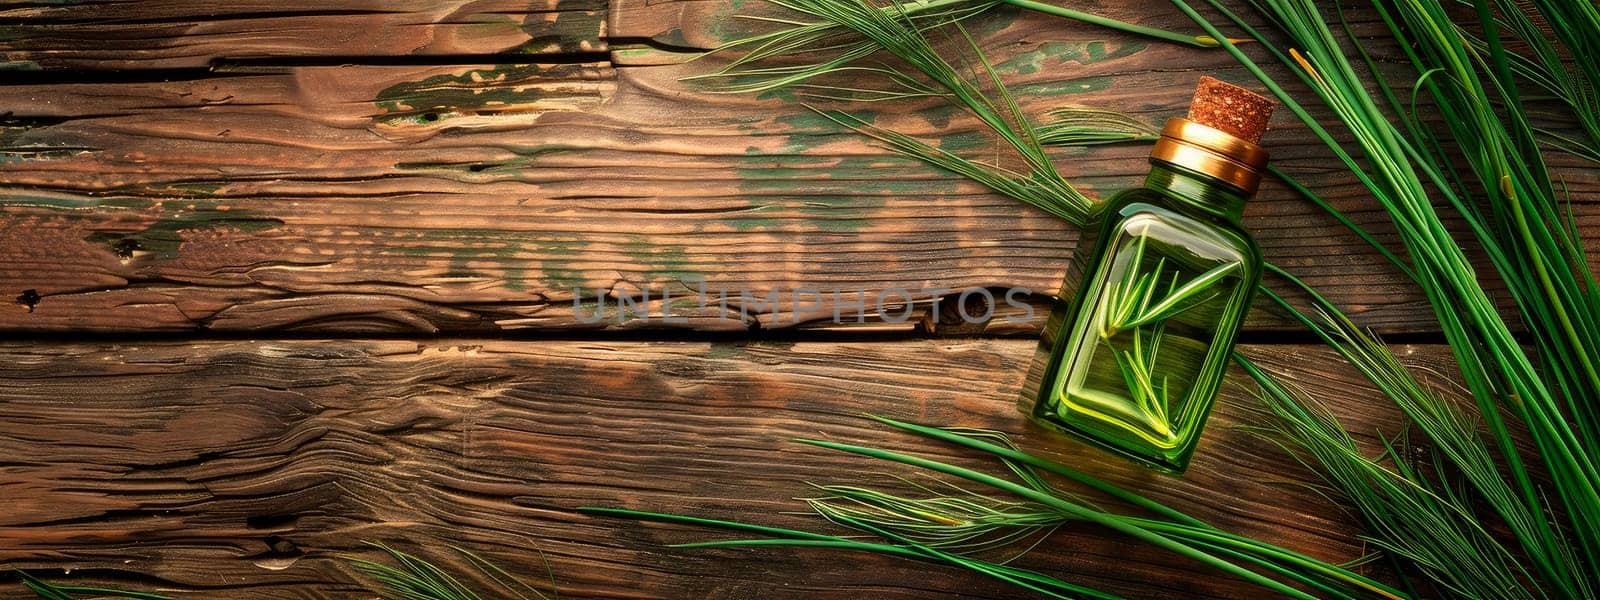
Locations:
(1231, 109)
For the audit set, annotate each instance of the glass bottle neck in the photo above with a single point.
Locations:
(1194, 190)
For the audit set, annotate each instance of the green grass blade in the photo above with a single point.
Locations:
(52, 591)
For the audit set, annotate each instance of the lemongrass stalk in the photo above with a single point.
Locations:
(1019, 577)
(1525, 519)
(736, 77)
(1395, 180)
(52, 591)
(1286, 572)
(1191, 527)
(1214, 536)
(1316, 199)
(1078, 512)
(1185, 523)
(1198, 41)
(1556, 439)
(1048, 466)
(1519, 185)
(1440, 534)
(1525, 146)
(991, 570)
(1189, 536)
(795, 537)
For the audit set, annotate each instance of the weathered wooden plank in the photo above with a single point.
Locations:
(249, 468)
(108, 34)
(477, 198)
(308, 198)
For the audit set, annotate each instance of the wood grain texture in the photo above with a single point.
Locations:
(477, 198)
(453, 168)
(246, 469)
(119, 35)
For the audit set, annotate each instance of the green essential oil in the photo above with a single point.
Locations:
(1133, 356)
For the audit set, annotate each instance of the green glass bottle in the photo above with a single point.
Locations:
(1135, 351)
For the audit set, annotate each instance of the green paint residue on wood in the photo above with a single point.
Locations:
(644, 53)
(446, 96)
(993, 21)
(662, 261)
(1060, 55)
(542, 149)
(727, 22)
(557, 263)
(525, 157)
(557, 266)
(464, 90)
(725, 350)
(8, 34)
(940, 115)
(186, 190)
(165, 234)
(673, 38)
(576, 27)
(515, 257)
(825, 194)
(806, 129)
(963, 141)
(682, 303)
(26, 201)
(811, 121)
(785, 94)
(1081, 85)
(25, 138)
(495, 26)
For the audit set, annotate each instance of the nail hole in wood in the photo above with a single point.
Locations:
(29, 298)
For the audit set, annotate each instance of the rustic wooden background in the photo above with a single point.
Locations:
(289, 279)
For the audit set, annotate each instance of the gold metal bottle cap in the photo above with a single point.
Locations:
(1209, 151)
